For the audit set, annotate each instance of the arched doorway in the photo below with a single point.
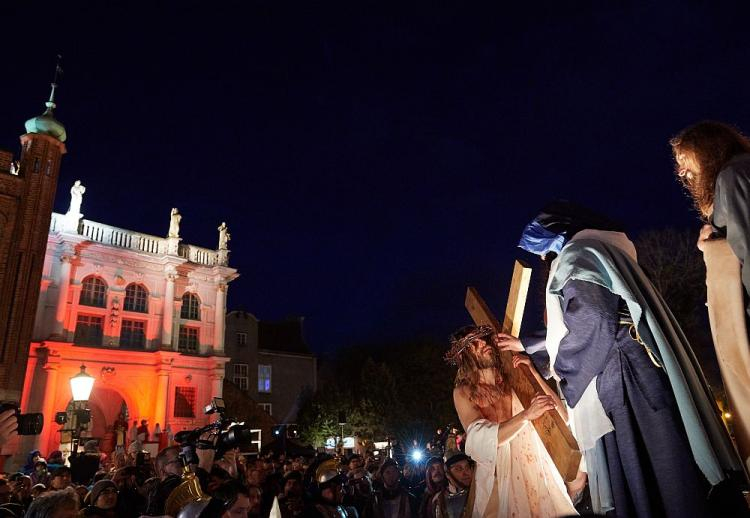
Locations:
(107, 407)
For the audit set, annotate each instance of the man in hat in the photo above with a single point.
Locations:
(511, 459)
(639, 405)
(328, 492)
(452, 501)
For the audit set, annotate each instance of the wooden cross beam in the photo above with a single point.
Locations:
(555, 434)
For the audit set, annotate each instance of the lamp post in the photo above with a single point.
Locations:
(80, 386)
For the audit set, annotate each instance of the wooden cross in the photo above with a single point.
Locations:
(555, 434)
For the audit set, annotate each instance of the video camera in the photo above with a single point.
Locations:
(231, 434)
(28, 424)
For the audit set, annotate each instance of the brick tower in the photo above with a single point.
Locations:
(27, 192)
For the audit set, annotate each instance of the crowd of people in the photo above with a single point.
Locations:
(207, 482)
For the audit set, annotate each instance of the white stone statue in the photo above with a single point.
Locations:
(224, 236)
(174, 223)
(76, 198)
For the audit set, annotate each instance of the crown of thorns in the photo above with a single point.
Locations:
(459, 344)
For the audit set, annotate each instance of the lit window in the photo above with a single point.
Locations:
(133, 334)
(136, 298)
(184, 401)
(267, 407)
(190, 307)
(93, 292)
(264, 378)
(241, 338)
(188, 342)
(240, 376)
(89, 330)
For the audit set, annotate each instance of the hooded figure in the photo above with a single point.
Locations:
(640, 407)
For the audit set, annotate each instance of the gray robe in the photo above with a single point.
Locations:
(731, 216)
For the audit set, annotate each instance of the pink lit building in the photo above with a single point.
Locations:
(144, 314)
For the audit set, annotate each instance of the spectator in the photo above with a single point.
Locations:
(55, 504)
(326, 488)
(358, 484)
(435, 482)
(143, 431)
(103, 500)
(256, 498)
(169, 470)
(290, 502)
(20, 488)
(131, 503)
(55, 460)
(41, 473)
(234, 497)
(60, 478)
(459, 470)
(38, 490)
(31, 460)
(392, 501)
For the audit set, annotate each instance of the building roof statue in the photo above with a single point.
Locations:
(224, 236)
(174, 223)
(76, 197)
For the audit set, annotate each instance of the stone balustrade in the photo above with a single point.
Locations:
(123, 238)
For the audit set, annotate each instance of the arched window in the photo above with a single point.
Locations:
(191, 306)
(136, 298)
(93, 292)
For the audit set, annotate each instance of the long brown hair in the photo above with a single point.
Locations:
(469, 366)
(713, 144)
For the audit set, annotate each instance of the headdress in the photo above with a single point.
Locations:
(462, 338)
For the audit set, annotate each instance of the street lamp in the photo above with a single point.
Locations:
(81, 385)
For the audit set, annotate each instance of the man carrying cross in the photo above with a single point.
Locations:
(639, 405)
(515, 476)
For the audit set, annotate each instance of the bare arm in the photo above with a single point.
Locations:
(519, 359)
(468, 412)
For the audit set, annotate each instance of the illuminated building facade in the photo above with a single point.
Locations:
(144, 314)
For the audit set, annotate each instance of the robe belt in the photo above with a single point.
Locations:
(633, 331)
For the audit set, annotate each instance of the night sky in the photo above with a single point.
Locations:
(372, 160)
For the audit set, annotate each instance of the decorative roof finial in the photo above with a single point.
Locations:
(58, 75)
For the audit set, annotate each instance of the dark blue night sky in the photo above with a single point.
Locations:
(372, 160)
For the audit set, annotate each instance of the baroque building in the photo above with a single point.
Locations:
(144, 314)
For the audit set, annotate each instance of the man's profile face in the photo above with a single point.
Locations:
(462, 473)
(355, 463)
(482, 351)
(293, 488)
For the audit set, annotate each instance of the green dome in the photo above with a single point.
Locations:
(46, 124)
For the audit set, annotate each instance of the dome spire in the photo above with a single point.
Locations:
(58, 74)
(46, 123)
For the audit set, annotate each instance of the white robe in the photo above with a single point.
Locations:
(515, 479)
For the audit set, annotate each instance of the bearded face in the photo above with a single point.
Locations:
(483, 353)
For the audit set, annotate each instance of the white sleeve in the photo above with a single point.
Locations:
(481, 440)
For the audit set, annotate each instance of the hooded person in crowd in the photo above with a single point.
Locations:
(435, 482)
(639, 405)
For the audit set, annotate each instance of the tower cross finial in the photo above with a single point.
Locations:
(57, 77)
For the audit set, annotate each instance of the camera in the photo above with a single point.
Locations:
(230, 433)
(28, 424)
